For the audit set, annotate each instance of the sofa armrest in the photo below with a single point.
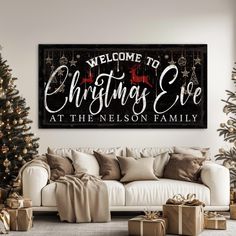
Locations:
(34, 178)
(217, 178)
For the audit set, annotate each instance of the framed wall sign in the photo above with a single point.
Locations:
(123, 86)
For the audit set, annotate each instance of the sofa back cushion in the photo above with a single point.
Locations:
(67, 152)
(183, 167)
(85, 162)
(109, 166)
(159, 163)
(137, 152)
(136, 169)
(194, 151)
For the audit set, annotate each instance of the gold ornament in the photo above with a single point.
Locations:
(8, 103)
(25, 151)
(222, 125)
(23, 162)
(29, 145)
(10, 110)
(14, 148)
(8, 126)
(14, 122)
(231, 129)
(226, 109)
(7, 170)
(230, 122)
(6, 162)
(4, 149)
(20, 121)
(19, 158)
(221, 150)
(1, 123)
(16, 156)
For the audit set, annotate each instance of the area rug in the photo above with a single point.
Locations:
(50, 225)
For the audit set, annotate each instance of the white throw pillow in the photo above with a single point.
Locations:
(85, 162)
(159, 163)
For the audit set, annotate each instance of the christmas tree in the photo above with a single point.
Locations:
(17, 143)
(228, 131)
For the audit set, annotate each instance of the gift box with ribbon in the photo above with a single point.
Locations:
(150, 224)
(21, 219)
(16, 201)
(185, 214)
(213, 220)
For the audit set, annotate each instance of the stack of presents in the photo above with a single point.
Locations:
(181, 215)
(16, 212)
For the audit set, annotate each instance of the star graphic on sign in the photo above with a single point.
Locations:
(48, 60)
(60, 73)
(172, 62)
(52, 67)
(197, 61)
(73, 62)
(185, 73)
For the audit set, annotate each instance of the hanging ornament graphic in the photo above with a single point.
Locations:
(166, 56)
(182, 61)
(197, 61)
(172, 62)
(73, 61)
(62, 88)
(118, 66)
(185, 73)
(48, 59)
(63, 60)
(193, 78)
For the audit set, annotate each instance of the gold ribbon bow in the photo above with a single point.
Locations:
(210, 214)
(189, 200)
(15, 195)
(151, 215)
(5, 219)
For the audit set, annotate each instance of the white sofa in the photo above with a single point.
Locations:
(137, 195)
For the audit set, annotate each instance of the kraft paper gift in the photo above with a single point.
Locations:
(4, 222)
(186, 215)
(233, 212)
(212, 220)
(139, 226)
(16, 201)
(21, 219)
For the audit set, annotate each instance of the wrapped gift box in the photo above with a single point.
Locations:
(215, 222)
(185, 220)
(233, 212)
(140, 226)
(19, 202)
(21, 219)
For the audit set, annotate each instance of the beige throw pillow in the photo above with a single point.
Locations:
(85, 162)
(183, 167)
(194, 151)
(59, 166)
(136, 169)
(159, 163)
(109, 166)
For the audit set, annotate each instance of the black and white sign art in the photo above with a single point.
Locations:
(123, 86)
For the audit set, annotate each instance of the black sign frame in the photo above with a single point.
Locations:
(184, 56)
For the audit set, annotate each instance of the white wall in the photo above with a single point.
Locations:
(26, 23)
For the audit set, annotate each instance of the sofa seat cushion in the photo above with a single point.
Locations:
(116, 194)
(156, 193)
